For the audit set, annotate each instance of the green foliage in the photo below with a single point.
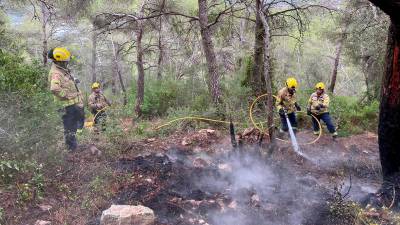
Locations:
(17, 76)
(27, 175)
(353, 117)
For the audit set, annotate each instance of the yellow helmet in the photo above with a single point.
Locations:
(291, 83)
(61, 54)
(320, 85)
(95, 85)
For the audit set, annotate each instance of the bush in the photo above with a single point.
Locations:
(352, 117)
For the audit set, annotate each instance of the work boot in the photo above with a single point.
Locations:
(316, 132)
(334, 135)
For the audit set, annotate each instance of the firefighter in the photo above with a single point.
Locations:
(66, 94)
(318, 106)
(97, 105)
(287, 105)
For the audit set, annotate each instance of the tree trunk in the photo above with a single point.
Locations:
(389, 115)
(256, 81)
(213, 80)
(117, 59)
(94, 55)
(339, 48)
(139, 64)
(268, 78)
(45, 20)
(160, 51)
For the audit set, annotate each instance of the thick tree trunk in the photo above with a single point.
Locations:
(256, 81)
(389, 116)
(94, 55)
(139, 64)
(213, 80)
(268, 78)
(339, 49)
(45, 20)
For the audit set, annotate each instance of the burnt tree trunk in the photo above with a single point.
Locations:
(339, 48)
(213, 80)
(94, 55)
(389, 113)
(45, 20)
(268, 78)
(256, 81)
(139, 64)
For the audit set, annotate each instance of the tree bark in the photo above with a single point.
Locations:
(256, 81)
(268, 77)
(45, 20)
(139, 63)
(117, 69)
(160, 51)
(213, 80)
(339, 49)
(389, 114)
(94, 55)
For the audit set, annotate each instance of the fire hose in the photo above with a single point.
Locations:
(251, 119)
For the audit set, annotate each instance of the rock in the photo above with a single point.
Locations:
(207, 131)
(151, 140)
(200, 163)
(42, 222)
(127, 215)
(225, 167)
(45, 208)
(186, 142)
(233, 205)
(94, 150)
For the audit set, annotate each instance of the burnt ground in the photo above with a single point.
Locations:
(198, 178)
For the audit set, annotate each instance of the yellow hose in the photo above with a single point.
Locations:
(266, 132)
(251, 119)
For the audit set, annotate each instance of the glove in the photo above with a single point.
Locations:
(77, 81)
(317, 107)
(321, 106)
(298, 108)
(281, 112)
(308, 111)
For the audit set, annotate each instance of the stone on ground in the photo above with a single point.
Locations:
(127, 215)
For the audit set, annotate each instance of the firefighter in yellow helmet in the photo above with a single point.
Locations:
(66, 94)
(286, 104)
(97, 105)
(318, 106)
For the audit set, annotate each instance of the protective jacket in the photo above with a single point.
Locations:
(318, 104)
(286, 100)
(63, 87)
(97, 101)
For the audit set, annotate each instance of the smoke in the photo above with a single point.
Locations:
(255, 192)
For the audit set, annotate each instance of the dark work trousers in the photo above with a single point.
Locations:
(327, 120)
(81, 122)
(71, 120)
(292, 120)
(100, 119)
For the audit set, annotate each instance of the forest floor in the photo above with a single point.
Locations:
(198, 178)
